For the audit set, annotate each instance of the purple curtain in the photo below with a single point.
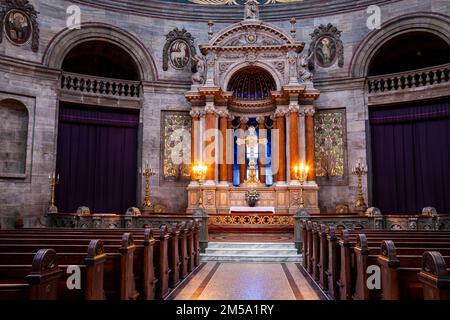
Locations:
(411, 157)
(97, 159)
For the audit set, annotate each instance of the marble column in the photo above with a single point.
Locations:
(309, 115)
(242, 158)
(195, 139)
(293, 136)
(230, 152)
(223, 166)
(280, 126)
(210, 141)
(262, 149)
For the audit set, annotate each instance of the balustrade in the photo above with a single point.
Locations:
(409, 79)
(100, 86)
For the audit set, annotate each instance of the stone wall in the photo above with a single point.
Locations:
(28, 78)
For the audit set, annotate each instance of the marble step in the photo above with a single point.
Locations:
(260, 245)
(251, 258)
(251, 252)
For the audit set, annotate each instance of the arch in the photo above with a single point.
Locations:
(13, 136)
(434, 23)
(67, 39)
(277, 77)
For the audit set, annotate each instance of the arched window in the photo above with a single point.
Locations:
(13, 137)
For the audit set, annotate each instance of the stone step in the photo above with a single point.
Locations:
(251, 251)
(251, 258)
(260, 245)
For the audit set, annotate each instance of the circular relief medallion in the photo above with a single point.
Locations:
(326, 52)
(179, 54)
(18, 28)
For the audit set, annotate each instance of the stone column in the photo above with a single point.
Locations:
(230, 153)
(223, 166)
(195, 139)
(280, 126)
(242, 159)
(309, 114)
(210, 141)
(293, 134)
(262, 149)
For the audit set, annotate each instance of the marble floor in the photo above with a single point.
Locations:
(248, 281)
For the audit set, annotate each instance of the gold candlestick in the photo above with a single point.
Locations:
(300, 173)
(147, 173)
(359, 170)
(53, 181)
(199, 173)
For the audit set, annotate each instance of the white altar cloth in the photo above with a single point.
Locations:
(252, 209)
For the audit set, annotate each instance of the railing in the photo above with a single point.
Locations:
(100, 86)
(409, 79)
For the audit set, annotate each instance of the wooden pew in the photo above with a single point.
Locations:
(333, 269)
(35, 280)
(119, 282)
(91, 264)
(434, 276)
(348, 260)
(368, 254)
(399, 273)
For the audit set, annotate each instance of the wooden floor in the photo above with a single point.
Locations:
(248, 281)
(250, 237)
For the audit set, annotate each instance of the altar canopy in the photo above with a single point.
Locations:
(252, 108)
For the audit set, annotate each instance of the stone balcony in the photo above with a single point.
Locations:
(427, 83)
(85, 89)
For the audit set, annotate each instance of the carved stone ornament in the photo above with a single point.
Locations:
(326, 47)
(179, 50)
(18, 19)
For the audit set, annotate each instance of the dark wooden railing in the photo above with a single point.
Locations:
(409, 79)
(100, 86)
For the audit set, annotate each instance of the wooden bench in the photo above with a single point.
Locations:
(91, 264)
(119, 282)
(434, 276)
(35, 280)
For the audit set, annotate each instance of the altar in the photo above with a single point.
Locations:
(252, 108)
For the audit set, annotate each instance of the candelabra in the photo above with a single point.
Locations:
(300, 173)
(53, 181)
(147, 173)
(359, 170)
(200, 175)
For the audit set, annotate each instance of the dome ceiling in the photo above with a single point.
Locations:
(251, 83)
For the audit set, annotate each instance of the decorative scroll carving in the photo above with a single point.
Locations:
(178, 50)
(326, 47)
(18, 19)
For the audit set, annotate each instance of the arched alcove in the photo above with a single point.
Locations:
(101, 59)
(66, 40)
(251, 83)
(13, 137)
(431, 24)
(409, 51)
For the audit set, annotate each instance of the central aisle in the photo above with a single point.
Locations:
(248, 281)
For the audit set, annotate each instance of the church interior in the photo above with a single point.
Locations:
(224, 150)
